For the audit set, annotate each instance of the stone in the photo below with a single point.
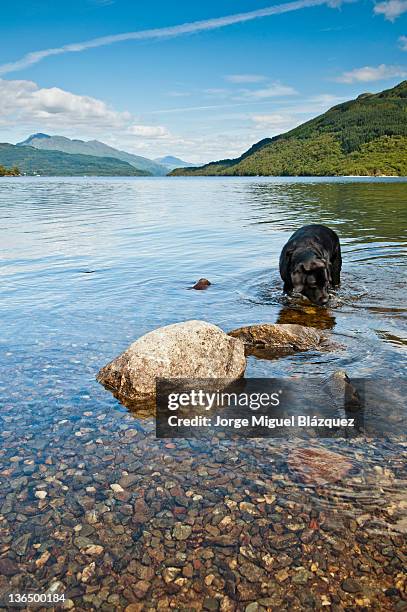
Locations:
(351, 586)
(318, 466)
(211, 604)
(192, 349)
(272, 340)
(341, 391)
(128, 480)
(181, 532)
(8, 567)
(95, 549)
(170, 573)
(202, 284)
(141, 588)
(43, 559)
(21, 543)
(249, 508)
(301, 576)
(141, 511)
(88, 572)
(252, 572)
(281, 575)
(41, 494)
(188, 570)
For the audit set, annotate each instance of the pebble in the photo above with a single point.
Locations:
(281, 575)
(351, 586)
(94, 549)
(170, 573)
(202, 525)
(211, 604)
(252, 607)
(41, 494)
(116, 488)
(182, 532)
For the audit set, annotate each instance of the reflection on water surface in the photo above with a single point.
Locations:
(92, 504)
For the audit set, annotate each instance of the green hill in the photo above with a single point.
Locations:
(56, 163)
(366, 136)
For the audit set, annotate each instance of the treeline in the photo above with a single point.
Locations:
(9, 171)
(318, 156)
(366, 136)
(358, 122)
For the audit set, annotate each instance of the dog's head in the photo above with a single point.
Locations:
(310, 276)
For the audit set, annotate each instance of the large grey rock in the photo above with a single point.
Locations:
(191, 350)
(268, 339)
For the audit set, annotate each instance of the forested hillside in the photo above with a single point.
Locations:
(366, 136)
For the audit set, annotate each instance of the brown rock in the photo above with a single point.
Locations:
(203, 283)
(192, 349)
(272, 340)
(188, 570)
(318, 466)
(141, 588)
(8, 567)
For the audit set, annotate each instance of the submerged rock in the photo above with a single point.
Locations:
(342, 391)
(191, 350)
(318, 466)
(268, 340)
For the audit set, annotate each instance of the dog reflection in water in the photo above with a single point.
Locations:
(309, 316)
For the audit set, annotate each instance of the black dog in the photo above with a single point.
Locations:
(311, 262)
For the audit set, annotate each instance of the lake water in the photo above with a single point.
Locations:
(88, 265)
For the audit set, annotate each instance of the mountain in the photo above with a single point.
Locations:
(171, 162)
(92, 147)
(30, 160)
(366, 136)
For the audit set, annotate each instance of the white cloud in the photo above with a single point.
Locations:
(158, 33)
(149, 131)
(219, 92)
(245, 78)
(391, 9)
(275, 123)
(24, 103)
(372, 73)
(178, 94)
(26, 108)
(24, 100)
(403, 43)
(275, 90)
(103, 2)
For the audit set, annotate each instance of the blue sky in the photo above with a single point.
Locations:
(211, 78)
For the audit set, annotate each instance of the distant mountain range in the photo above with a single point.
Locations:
(45, 155)
(30, 160)
(95, 148)
(171, 162)
(366, 136)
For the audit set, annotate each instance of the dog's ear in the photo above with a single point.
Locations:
(329, 272)
(298, 281)
(288, 255)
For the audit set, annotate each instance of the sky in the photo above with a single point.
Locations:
(199, 80)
